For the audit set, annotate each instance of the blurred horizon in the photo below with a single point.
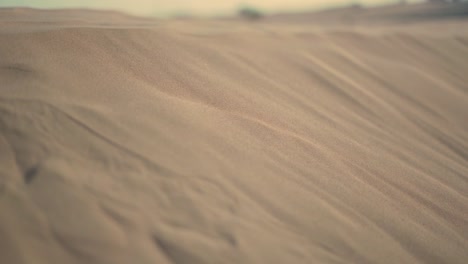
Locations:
(193, 7)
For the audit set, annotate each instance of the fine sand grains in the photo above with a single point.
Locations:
(225, 142)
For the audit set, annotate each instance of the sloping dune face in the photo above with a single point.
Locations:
(221, 143)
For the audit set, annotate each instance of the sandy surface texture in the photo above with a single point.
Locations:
(126, 140)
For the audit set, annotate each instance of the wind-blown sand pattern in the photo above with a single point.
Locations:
(232, 142)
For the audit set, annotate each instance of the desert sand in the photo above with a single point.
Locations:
(130, 140)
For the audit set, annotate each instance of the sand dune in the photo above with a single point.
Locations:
(229, 142)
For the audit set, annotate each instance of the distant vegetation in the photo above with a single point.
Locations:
(446, 1)
(249, 13)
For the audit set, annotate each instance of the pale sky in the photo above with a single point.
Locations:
(162, 7)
